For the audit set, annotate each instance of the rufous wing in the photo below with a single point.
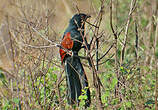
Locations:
(67, 44)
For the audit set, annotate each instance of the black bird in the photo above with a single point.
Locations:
(71, 44)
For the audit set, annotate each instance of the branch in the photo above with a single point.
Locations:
(136, 42)
(132, 8)
(106, 60)
(106, 52)
(111, 24)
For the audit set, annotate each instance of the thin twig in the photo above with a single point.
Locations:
(106, 52)
(106, 60)
(136, 42)
(116, 51)
(97, 59)
(156, 64)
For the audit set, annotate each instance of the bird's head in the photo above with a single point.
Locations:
(79, 20)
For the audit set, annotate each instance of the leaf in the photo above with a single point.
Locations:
(82, 97)
(114, 82)
(128, 104)
(104, 96)
(1, 75)
(7, 105)
(54, 76)
(121, 67)
(16, 100)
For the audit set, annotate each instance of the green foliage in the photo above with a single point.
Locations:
(46, 84)
(104, 97)
(128, 104)
(83, 97)
(7, 105)
(1, 75)
(16, 101)
(3, 81)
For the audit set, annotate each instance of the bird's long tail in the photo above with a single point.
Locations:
(76, 81)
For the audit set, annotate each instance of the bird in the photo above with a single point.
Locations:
(71, 44)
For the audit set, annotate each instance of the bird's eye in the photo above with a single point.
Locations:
(82, 17)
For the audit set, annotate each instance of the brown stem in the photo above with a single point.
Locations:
(156, 76)
(116, 48)
(156, 87)
(132, 7)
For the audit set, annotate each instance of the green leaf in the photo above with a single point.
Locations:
(16, 100)
(114, 82)
(54, 76)
(104, 96)
(1, 75)
(121, 67)
(7, 105)
(128, 104)
(82, 97)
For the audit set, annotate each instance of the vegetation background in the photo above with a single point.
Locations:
(124, 53)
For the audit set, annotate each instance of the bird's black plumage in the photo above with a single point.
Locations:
(76, 77)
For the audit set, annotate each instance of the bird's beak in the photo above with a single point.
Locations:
(88, 16)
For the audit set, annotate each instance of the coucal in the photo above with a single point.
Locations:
(71, 44)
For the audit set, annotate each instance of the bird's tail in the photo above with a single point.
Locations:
(76, 80)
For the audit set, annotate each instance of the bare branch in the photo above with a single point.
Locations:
(132, 7)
